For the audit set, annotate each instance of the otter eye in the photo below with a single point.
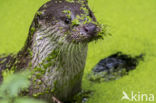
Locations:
(67, 20)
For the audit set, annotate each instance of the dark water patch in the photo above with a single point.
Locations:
(114, 67)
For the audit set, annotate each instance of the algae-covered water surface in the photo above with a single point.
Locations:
(132, 25)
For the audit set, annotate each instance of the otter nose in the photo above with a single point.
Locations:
(90, 29)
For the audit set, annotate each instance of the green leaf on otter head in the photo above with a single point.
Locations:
(87, 20)
(84, 9)
(75, 22)
(67, 12)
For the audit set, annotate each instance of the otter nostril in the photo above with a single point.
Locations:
(90, 28)
(86, 28)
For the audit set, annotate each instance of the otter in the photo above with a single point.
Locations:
(56, 48)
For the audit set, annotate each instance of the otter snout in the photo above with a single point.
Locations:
(90, 29)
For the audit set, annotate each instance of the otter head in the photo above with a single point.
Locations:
(68, 20)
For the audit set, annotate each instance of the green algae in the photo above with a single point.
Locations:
(76, 21)
(39, 72)
(32, 30)
(38, 13)
(67, 13)
(70, 1)
(2, 61)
